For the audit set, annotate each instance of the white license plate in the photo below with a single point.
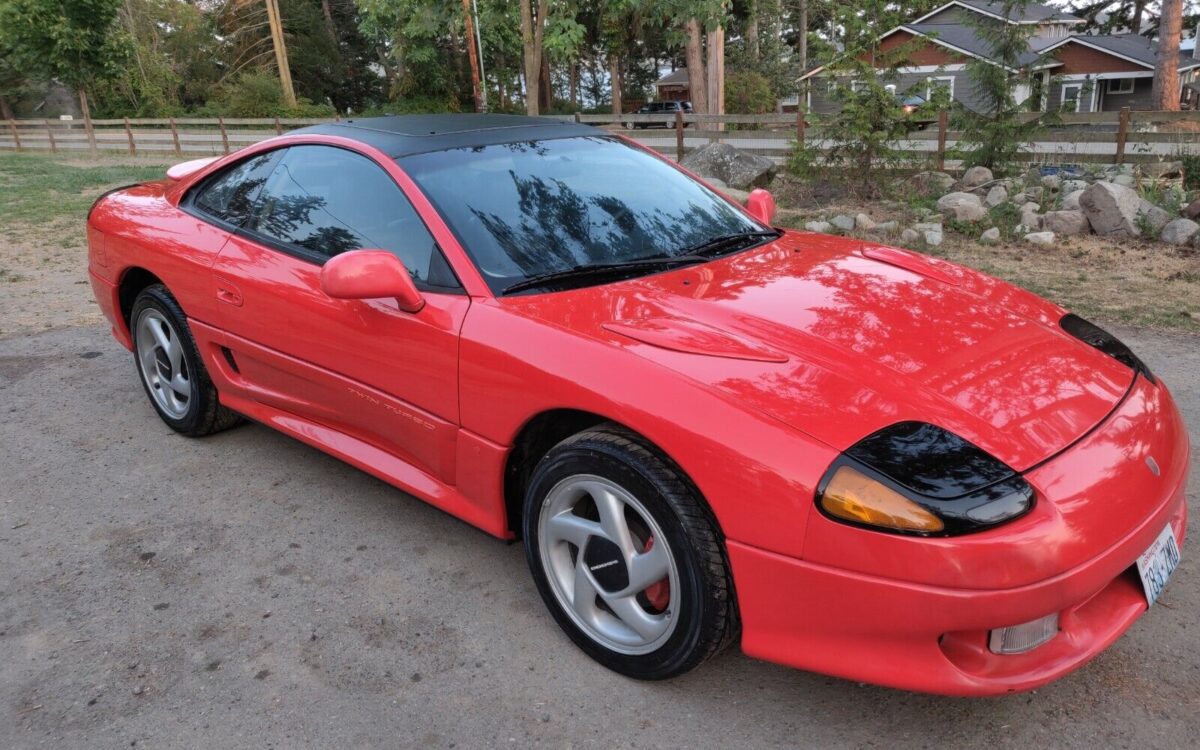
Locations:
(1157, 563)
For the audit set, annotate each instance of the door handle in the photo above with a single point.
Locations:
(228, 293)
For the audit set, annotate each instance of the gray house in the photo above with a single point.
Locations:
(1063, 70)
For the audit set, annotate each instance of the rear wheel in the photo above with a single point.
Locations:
(170, 367)
(626, 556)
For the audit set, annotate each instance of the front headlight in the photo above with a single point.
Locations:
(917, 478)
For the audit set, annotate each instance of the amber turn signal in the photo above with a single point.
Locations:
(853, 496)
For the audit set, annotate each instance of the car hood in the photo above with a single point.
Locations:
(839, 338)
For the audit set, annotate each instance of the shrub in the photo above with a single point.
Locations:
(259, 94)
(1191, 171)
(748, 93)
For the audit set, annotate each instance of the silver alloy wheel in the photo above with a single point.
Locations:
(162, 364)
(601, 570)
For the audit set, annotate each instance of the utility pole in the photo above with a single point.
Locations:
(475, 87)
(281, 58)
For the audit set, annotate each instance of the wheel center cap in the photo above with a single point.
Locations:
(604, 560)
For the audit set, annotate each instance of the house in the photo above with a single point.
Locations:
(673, 87)
(1074, 72)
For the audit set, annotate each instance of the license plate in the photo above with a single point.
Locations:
(1157, 563)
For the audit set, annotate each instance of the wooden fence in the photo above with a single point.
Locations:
(1096, 137)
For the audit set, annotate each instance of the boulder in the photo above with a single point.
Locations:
(990, 236)
(736, 168)
(976, 176)
(1052, 182)
(864, 222)
(1180, 232)
(1030, 217)
(741, 196)
(1070, 201)
(717, 183)
(909, 237)
(1153, 217)
(1111, 209)
(820, 227)
(1035, 193)
(1070, 186)
(996, 196)
(1192, 210)
(1041, 239)
(1124, 180)
(1065, 222)
(1161, 169)
(962, 206)
(885, 227)
(931, 232)
(931, 183)
(843, 222)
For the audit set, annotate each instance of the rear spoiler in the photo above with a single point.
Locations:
(183, 169)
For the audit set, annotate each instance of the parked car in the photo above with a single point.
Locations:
(851, 458)
(660, 108)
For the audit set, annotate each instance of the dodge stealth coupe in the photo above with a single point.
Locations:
(851, 458)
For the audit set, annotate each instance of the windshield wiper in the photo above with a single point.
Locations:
(715, 246)
(604, 269)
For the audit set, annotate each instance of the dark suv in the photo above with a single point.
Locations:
(660, 108)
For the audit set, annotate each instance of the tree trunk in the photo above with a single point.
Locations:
(614, 77)
(802, 33)
(476, 86)
(752, 31)
(329, 24)
(697, 88)
(531, 38)
(573, 84)
(716, 72)
(1139, 8)
(6, 112)
(1166, 71)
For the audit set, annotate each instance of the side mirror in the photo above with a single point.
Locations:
(370, 274)
(761, 205)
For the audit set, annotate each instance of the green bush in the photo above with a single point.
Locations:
(259, 94)
(748, 93)
(1191, 171)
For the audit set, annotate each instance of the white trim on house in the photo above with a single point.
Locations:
(1107, 76)
(915, 69)
(1127, 86)
(1078, 96)
(931, 81)
(935, 11)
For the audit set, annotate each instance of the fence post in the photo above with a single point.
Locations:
(50, 134)
(576, 117)
(224, 135)
(801, 126)
(129, 137)
(175, 138)
(278, 127)
(1122, 134)
(943, 125)
(678, 135)
(12, 125)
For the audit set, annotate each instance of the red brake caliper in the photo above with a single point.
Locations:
(658, 594)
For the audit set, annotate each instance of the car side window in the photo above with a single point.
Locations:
(324, 200)
(230, 195)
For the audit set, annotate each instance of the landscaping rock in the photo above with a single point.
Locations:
(741, 196)
(1041, 239)
(1019, 197)
(909, 237)
(976, 176)
(716, 182)
(1124, 180)
(931, 232)
(1065, 222)
(996, 196)
(736, 168)
(820, 227)
(1030, 217)
(843, 222)
(1161, 169)
(1070, 201)
(931, 183)
(864, 222)
(962, 206)
(990, 236)
(1180, 232)
(1192, 210)
(885, 227)
(1111, 209)
(1153, 217)
(1036, 193)
(1070, 186)
(1052, 182)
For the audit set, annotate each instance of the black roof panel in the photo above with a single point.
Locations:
(402, 135)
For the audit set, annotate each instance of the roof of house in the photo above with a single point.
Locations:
(674, 78)
(1132, 47)
(964, 38)
(1030, 13)
(404, 135)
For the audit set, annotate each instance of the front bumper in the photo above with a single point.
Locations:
(873, 627)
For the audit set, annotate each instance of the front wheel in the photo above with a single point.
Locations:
(627, 557)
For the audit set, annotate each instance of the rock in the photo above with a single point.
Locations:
(736, 168)
(1124, 180)
(1030, 216)
(1192, 210)
(716, 182)
(885, 227)
(990, 236)
(909, 237)
(976, 176)
(1052, 182)
(843, 222)
(935, 226)
(1070, 186)
(1019, 197)
(931, 183)
(1111, 209)
(1065, 222)
(1035, 193)
(1070, 201)
(961, 206)
(1041, 239)
(1161, 169)
(996, 196)
(933, 237)
(1180, 232)
(1153, 217)
(864, 222)
(820, 227)
(741, 196)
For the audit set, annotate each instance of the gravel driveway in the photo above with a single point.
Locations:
(246, 590)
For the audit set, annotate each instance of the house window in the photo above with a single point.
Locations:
(939, 83)
(891, 88)
(1071, 94)
(1120, 86)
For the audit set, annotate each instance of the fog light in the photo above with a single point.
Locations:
(1018, 639)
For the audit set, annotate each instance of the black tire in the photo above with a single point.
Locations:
(204, 414)
(707, 614)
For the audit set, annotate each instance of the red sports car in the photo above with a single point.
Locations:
(855, 459)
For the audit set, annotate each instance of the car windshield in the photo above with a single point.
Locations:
(525, 210)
